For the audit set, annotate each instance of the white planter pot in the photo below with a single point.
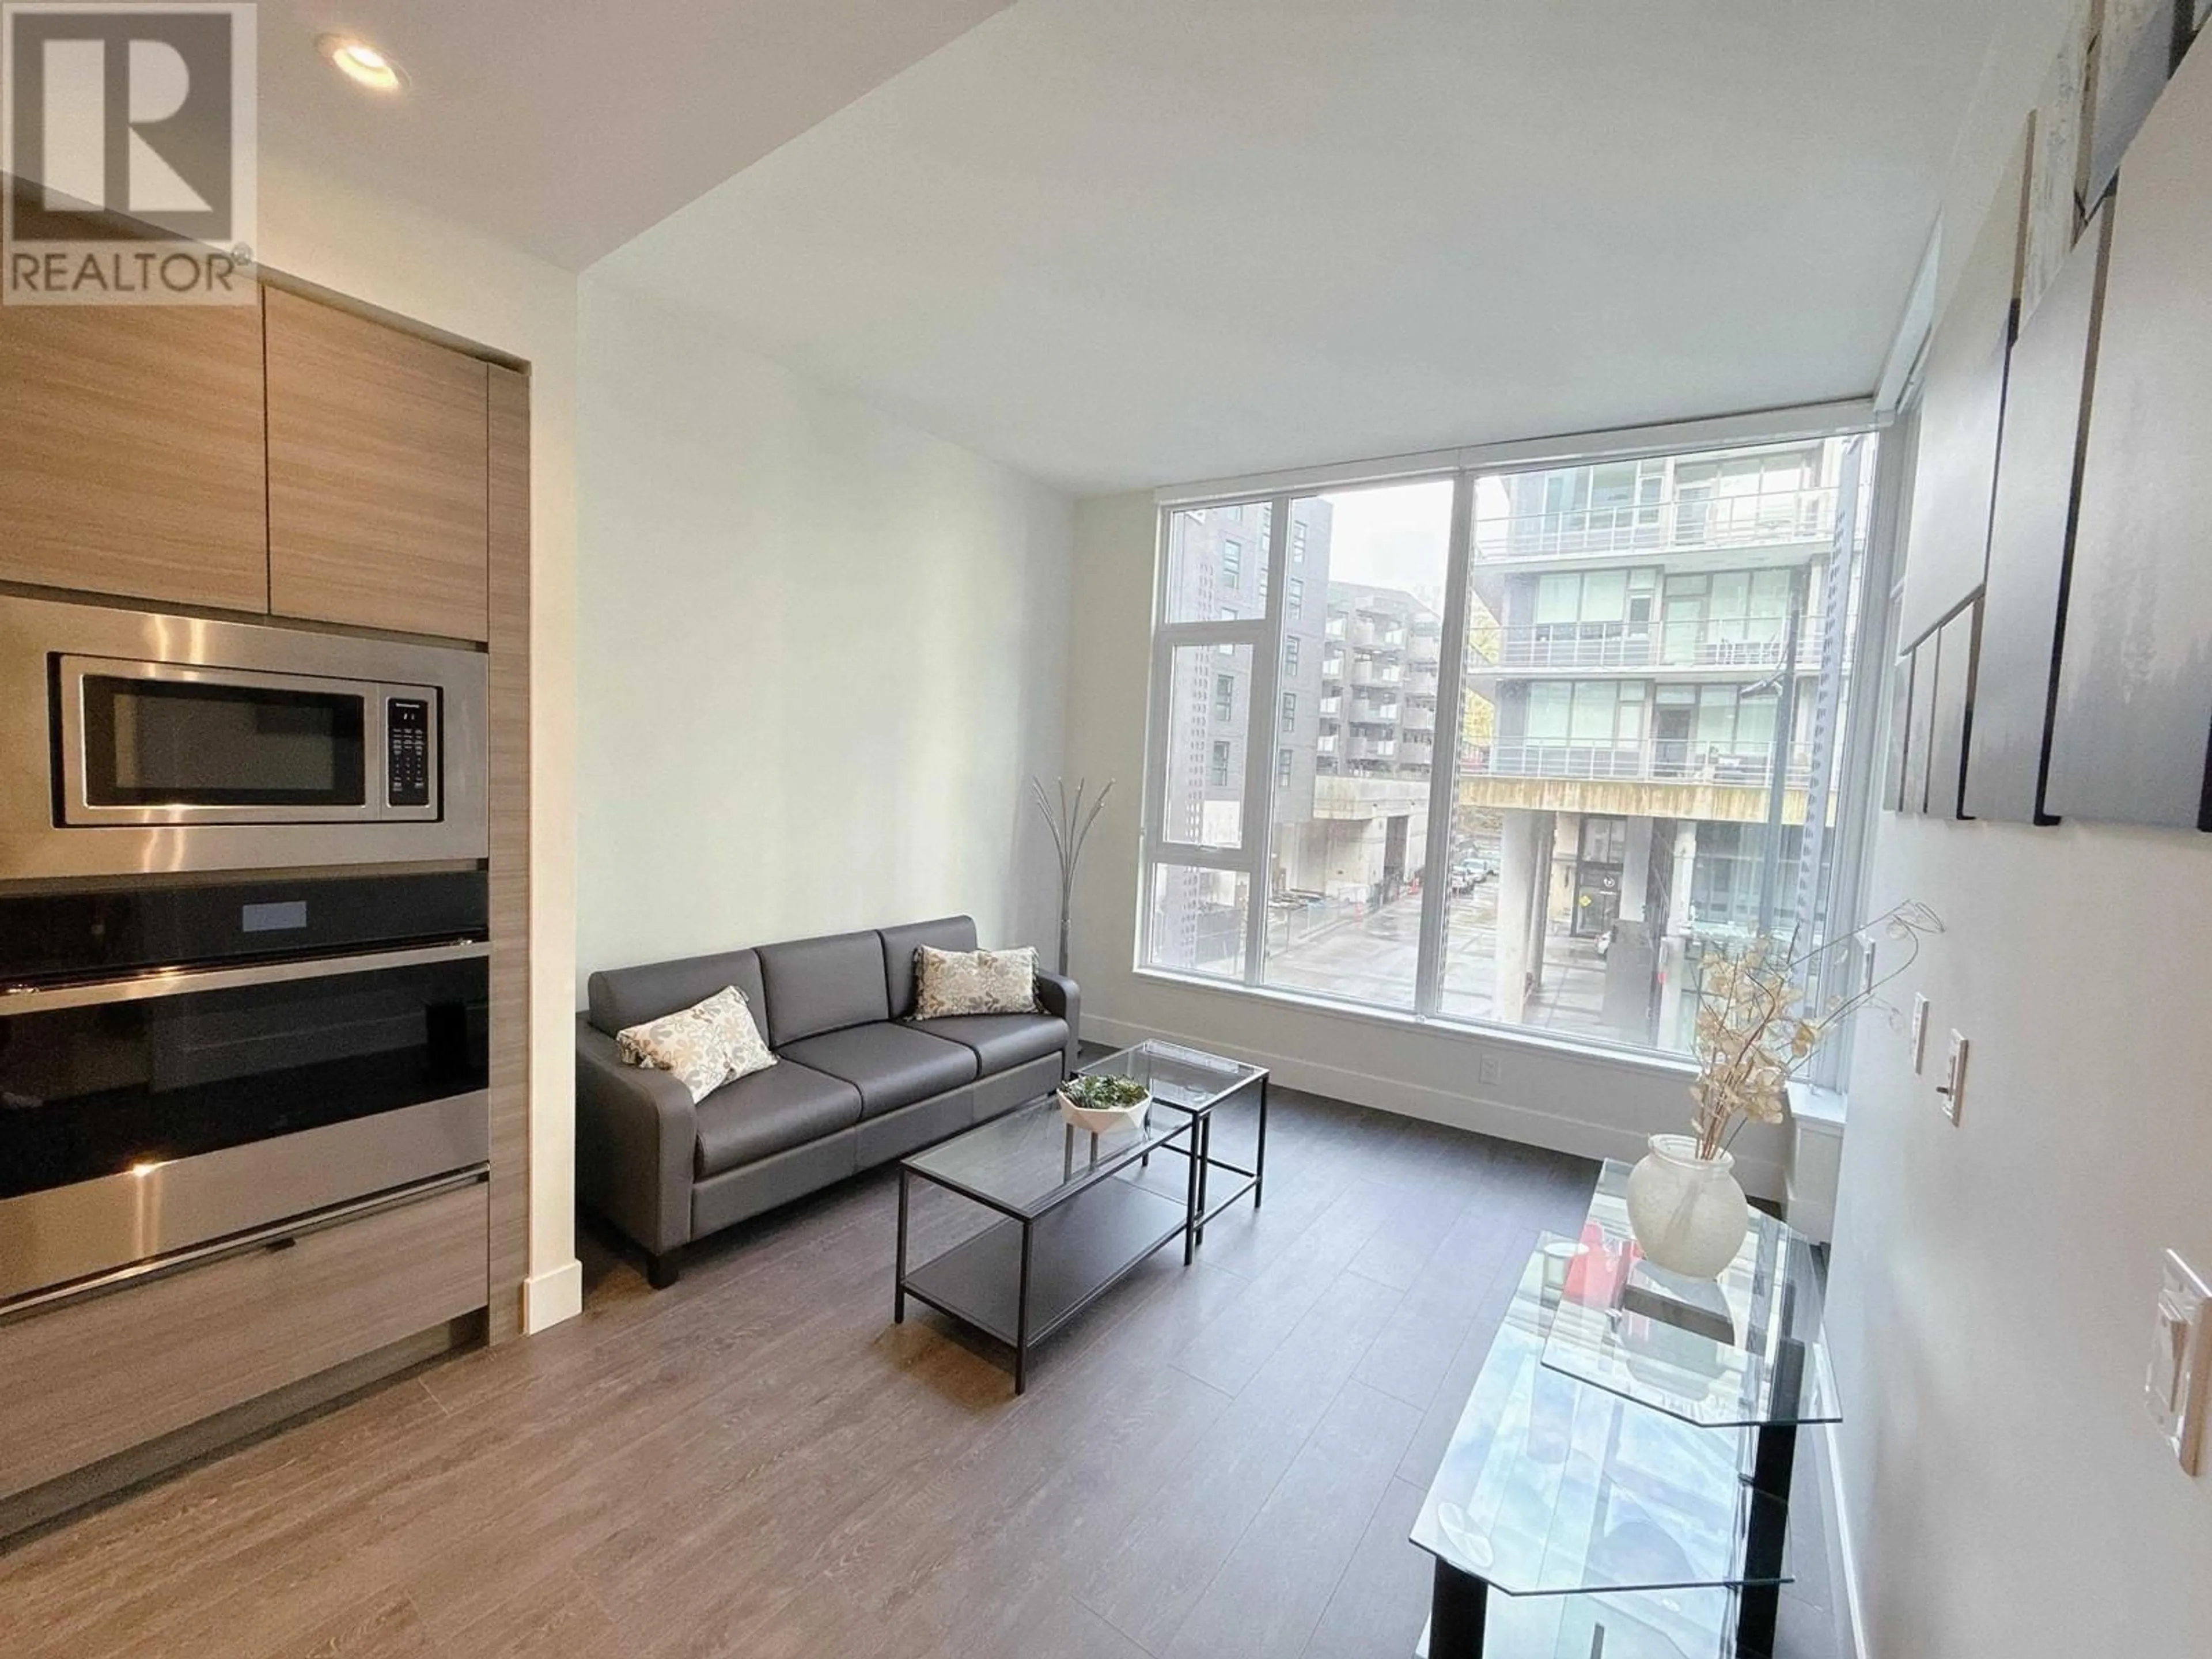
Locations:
(1102, 1119)
(1687, 1213)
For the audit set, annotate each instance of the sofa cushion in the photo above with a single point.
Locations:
(816, 985)
(946, 934)
(950, 982)
(769, 1112)
(705, 1046)
(891, 1066)
(630, 996)
(1001, 1042)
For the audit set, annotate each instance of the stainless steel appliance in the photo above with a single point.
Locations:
(187, 1064)
(132, 742)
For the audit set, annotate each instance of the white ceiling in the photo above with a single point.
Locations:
(1127, 242)
(567, 126)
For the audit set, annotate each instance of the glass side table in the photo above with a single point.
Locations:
(1627, 1451)
(1196, 1085)
(1738, 1351)
(1557, 1491)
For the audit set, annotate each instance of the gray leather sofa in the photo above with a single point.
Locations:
(859, 1080)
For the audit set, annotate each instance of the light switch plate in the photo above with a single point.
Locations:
(1918, 1042)
(1952, 1090)
(2180, 1361)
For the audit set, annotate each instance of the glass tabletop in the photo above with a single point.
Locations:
(1030, 1160)
(1551, 1487)
(1670, 1624)
(1186, 1079)
(1736, 1351)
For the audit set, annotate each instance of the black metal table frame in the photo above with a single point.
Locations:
(1252, 1180)
(1025, 1338)
(1199, 1160)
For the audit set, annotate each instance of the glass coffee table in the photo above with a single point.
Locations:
(1075, 1213)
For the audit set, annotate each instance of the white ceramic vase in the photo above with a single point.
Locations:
(1687, 1213)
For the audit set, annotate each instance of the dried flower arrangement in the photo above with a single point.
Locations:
(1753, 1032)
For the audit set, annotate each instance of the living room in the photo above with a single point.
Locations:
(1036, 829)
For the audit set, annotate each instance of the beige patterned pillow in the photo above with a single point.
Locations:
(704, 1046)
(948, 983)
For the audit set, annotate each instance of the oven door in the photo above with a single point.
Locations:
(147, 743)
(157, 1112)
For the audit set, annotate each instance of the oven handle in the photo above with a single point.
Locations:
(185, 982)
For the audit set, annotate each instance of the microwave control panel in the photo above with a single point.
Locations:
(407, 751)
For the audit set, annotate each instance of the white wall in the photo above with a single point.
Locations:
(1593, 1105)
(1993, 1283)
(392, 254)
(820, 655)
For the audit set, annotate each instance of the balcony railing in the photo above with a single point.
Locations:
(1544, 646)
(1648, 760)
(1684, 525)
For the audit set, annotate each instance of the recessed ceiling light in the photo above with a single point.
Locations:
(359, 61)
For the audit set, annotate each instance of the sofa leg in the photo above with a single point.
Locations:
(661, 1271)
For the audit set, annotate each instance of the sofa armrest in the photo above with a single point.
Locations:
(1057, 995)
(637, 1135)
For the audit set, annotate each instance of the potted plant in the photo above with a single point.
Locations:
(1102, 1103)
(1752, 1035)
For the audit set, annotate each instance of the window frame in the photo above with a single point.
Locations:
(1264, 738)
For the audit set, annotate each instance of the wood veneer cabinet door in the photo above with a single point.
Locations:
(377, 474)
(130, 453)
(91, 1379)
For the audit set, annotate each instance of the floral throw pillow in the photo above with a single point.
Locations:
(948, 983)
(703, 1047)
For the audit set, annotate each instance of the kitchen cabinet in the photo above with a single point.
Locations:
(377, 474)
(134, 455)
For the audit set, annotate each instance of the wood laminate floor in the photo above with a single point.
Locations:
(756, 1464)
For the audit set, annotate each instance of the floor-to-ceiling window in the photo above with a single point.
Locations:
(1517, 746)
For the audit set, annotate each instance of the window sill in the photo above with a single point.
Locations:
(1823, 1109)
(1511, 1037)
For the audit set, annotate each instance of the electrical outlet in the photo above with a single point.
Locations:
(1952, 1088)
(1488, 1070)
(1916, 1044)
(2180, 1359)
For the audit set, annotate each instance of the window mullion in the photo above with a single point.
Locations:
(1443, 755)
(1260, 737)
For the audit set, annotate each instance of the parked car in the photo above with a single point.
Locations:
(1470, 872)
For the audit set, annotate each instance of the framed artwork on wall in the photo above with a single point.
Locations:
(1961, 405)
(2134, 712)
(2046, 419)
(2136, 49)
(2058, 161)
(1901, 735)
(1920, 724)
(1951, 712)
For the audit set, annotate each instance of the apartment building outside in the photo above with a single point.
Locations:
(1666, 675)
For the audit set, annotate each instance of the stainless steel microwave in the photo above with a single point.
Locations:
(132, 742)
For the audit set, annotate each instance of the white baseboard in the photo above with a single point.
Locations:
(1578, 1137)
(1839, 1521)
(551, 1297)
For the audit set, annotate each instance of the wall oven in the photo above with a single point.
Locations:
(182, 1065)
(132, 742)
